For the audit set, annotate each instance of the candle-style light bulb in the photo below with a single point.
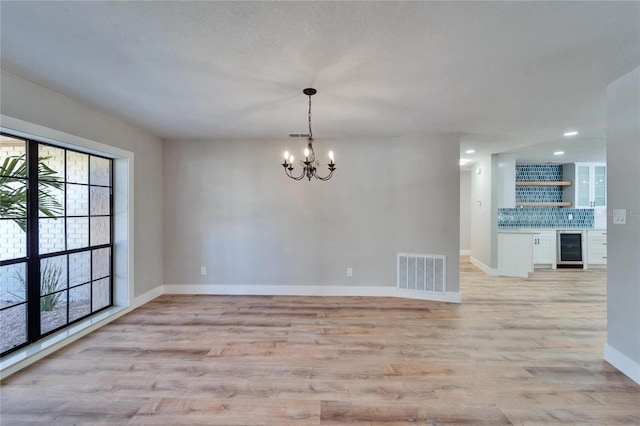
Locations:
(291, 159)
(331, 156)
(306, 152)
(286, 155)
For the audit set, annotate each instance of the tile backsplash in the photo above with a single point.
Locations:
(538, 172)
(538, 193)
(537, 216)
(545, 217)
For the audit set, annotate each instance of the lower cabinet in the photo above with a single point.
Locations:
(597, 247)
(519, 252)
(544, 247)
(514, 254)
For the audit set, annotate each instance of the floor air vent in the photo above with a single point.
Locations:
(421, 272)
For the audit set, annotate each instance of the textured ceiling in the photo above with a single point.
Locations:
(504, 74)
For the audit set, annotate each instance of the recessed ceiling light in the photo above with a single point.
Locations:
(572, 133)
(558, 153)
(470, 151)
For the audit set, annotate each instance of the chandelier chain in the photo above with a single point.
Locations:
(310, 132)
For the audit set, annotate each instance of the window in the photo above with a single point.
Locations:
(56, 234)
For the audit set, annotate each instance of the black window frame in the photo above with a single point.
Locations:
(34, 258)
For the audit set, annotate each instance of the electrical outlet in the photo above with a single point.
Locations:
(570, 216)
(349, 272)
(619, 216)
(203, 270)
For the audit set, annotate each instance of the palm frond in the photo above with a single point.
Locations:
(13, 191)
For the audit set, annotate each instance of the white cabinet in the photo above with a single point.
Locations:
(514, 254)
(544, 247)
(596, 247)
(589, 187)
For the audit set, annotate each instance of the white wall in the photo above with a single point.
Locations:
(230, 207)
(30, 102)
(623, 242)
(465, 210)
(483, 214)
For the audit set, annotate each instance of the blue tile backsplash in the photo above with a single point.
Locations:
(542, 217)
(538, 172)
(538, 193)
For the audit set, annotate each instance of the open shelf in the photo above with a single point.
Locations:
(546, 183)
(545, 204)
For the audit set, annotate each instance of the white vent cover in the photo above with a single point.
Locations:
(422, 272)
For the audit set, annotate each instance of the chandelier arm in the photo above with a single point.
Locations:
(294, 177)
(326, 178)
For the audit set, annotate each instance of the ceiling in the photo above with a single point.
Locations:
(507, 76)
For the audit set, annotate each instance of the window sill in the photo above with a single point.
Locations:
(38, 350)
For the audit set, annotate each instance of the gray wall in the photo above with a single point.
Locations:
(230, 207)
(30, 102)
(465, 210)
(623, 192)
(483, 212)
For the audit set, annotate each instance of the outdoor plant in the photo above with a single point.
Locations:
(13, 192)
(51, 279)
(13, 205)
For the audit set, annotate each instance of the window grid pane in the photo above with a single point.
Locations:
(13, 239)
(13, 154)
(51, 162)
(13, 326)
(14, 196)
(77, 167)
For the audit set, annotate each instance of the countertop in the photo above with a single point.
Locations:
(532, 230)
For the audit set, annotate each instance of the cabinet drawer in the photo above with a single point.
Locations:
(598, 245)
(596, 255)
(597, 259)
(597, 248)
(596, 234)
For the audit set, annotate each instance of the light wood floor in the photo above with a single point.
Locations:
(515, 352)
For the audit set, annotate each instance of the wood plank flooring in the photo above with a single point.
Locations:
(514, 352)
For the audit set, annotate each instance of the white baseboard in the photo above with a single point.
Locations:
(622, 362)
(299, 290)
(465, 252)
(147, 297)
(26, 356)
(448, 296)
(484, 268)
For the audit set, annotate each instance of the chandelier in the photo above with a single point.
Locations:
(309, 163)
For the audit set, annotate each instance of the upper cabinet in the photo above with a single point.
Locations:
(589, 189)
